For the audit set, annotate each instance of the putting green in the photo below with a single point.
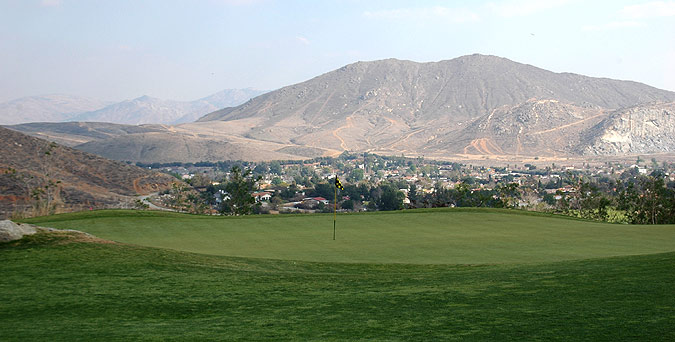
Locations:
(439, 236)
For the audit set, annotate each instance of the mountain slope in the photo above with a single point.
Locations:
(138, 111)
(375, 105)
(46, 108)
(464, 87)
(535, 127)
(193, 142)
(219, 100)
(75, 133)
(36, 174)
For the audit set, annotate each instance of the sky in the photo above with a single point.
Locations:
(183, 50)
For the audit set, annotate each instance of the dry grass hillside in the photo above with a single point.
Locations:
(38, 177)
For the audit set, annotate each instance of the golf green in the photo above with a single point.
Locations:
(435, 236)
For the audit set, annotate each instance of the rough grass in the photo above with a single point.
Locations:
(438, 236)
(55, 287)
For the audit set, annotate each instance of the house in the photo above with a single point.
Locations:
(314, 201)
(221, 196)
(262, 196)
(321, 199)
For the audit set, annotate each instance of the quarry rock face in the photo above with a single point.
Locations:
(10, 231)
(640, 129)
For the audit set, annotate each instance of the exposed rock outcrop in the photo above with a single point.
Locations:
(636, 130)
(10, 231)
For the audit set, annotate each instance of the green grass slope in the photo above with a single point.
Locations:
(55, 289)
(438, 236)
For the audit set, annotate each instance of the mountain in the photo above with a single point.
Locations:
(471, 107)
(46, 108)
(142, 110)
(36, 175)
(150, 110)
(376, 105)
(219, 100)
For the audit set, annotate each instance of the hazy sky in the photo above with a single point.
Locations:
(183, 50)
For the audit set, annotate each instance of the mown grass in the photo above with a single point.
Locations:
(54, 288)
(436, 236)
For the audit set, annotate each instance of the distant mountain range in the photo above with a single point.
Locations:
(142, 110)
(470, 107)
(46, 108)
(76, 180)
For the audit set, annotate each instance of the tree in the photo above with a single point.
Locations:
(509, 194)
(46, 189)
(289, 192)
(647, 200)
(412, 195)
(239, 187)
(348, 204)
(549, 199)
(591, 203)
(390, 198)
(261, 169)
(325, 190)
(275, 167)
(356, 176)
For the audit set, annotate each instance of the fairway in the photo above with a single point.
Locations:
(436, 236)
(57, 289)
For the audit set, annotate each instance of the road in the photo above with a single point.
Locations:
(152, 206)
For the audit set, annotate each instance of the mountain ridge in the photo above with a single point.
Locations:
(372, 106)
(470, 107)
(46, 108)
(140, 110)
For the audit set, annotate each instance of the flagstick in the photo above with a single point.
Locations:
(335, 212)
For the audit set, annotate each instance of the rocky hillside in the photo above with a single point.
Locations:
(535, 127)
(394, 105)
(453, 90)
(38, 177)
(638, 129)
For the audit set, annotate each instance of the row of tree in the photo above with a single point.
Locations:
(638, 199)
(647, 200)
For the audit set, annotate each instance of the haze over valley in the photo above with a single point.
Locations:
(141, 110)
